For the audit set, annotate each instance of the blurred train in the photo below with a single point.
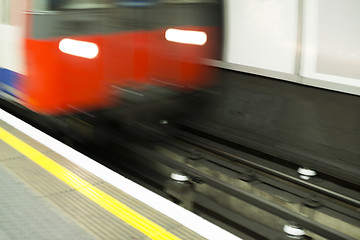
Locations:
(63, 58)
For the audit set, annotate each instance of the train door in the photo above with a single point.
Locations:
(127, 43)
(4, 11)
(12, 32)
(65, 55)
(4, 25)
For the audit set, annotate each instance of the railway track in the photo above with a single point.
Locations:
(254, 197)
(252, 194)
(250, 166)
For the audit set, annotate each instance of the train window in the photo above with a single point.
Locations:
(4, 11)
(135, 3)
(90, 4)
(40, 5)
(55, 5)
(189, 1)
(78, 4)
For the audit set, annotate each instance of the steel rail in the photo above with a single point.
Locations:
(231, 153)
(306, 223)
(350, 175)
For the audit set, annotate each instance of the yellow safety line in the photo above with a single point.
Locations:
(103, 199)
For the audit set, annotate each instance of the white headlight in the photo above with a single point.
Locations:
(186, 36)
(79, 48)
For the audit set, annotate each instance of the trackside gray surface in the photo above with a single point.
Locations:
(26, 215)
(34, 204)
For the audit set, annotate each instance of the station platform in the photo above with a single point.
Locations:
(50, 191)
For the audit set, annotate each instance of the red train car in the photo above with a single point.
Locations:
(85, 55)
(82, 65)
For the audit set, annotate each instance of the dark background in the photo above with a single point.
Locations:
(313, 127)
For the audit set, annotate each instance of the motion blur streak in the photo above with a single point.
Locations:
(79, 48)
(68, 54)
(186, 36)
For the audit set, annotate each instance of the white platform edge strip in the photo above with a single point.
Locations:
(186, 218)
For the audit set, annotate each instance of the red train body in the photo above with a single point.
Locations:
(78, 56)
